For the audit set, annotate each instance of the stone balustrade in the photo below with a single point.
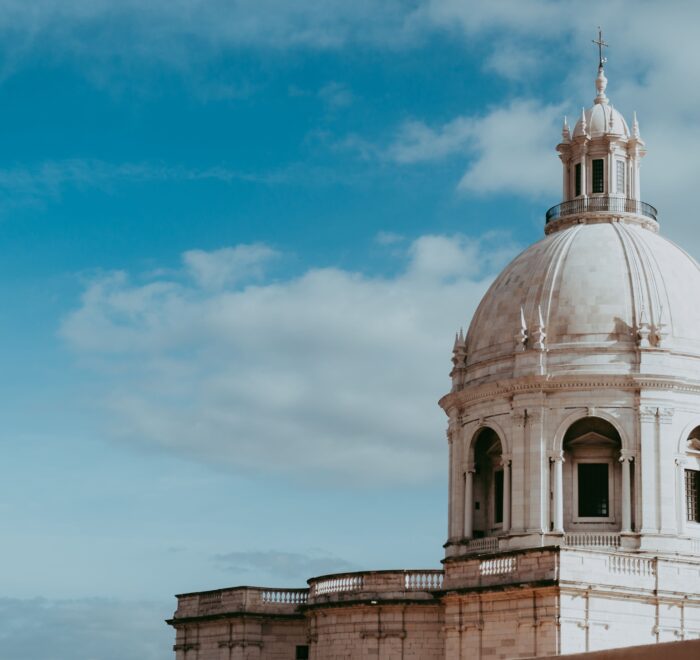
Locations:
(593, 539)
(241, 599)
(477, 546)
(374, 585)
(498, 565)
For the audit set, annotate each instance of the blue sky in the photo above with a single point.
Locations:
(237, 239)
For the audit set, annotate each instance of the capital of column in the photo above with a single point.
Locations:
(469, 468)
(557, 457)
(680, 461)
(506, 459)
(626, 455)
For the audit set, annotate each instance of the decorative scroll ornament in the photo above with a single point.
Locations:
(643, 330)
(660, 330)
(539, 335)
(522, 334)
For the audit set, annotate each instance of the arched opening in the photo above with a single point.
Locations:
(691, 479)
(592, 475)
(488, 490)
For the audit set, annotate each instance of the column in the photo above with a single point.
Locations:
(557, 459)
(648, 470)
(584, 173)
(626, 460)
(506, 494)
(450, 488)
(469, 502)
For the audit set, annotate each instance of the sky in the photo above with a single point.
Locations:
(237, 239)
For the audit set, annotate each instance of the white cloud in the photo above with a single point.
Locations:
(509, 149)
(330, 376)
(514, 151)
(228, 266)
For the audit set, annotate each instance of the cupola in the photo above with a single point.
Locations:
(600, 160)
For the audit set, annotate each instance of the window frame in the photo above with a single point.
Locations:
(610, 518)
(621, 172)
(686, 498)
(593, 176)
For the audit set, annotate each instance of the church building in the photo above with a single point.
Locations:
(574, 456)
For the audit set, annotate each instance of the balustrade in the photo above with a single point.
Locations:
(286, 596)
(631, 565)
(337, 585)
(498, 566)
(489, 544)
(600, 203)
(423, 580)
(593, 539)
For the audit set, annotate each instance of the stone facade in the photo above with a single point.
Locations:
(574, 457)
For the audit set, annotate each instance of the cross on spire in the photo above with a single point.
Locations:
(601, 44)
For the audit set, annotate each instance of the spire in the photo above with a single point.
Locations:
(635, 125)
(601, 82)
(565, 132)
(459, 360)
(584, 126)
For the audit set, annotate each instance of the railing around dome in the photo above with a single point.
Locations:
(602, 203)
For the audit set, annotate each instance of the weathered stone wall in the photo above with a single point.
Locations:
(382, 631)
(242, 638)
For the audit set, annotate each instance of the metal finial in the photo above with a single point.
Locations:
(601, 44)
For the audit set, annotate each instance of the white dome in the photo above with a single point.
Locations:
(596, 284)
(601, 119)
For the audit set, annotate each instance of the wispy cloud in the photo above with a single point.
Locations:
(331, 373)
(289, 566)
(85, 628)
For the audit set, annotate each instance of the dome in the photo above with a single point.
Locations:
(603, 289)
(601, 119)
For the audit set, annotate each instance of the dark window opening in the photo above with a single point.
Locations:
(302, 652)
(593, 496)
(577, 177)
(598, 181)
(498, 495)
(692, 495)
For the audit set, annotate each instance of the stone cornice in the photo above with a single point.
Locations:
(509, 387)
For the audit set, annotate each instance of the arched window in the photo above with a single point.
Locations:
(488, 484)
(692, 477)
(592, 475)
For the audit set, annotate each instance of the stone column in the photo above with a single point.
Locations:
(584, 168)
(469, 502)
(557, 459)
(625, 460)
(648, 469)
(450, 487)
(506, 494)
(519, 478)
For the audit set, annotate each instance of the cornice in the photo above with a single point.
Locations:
(509, 387)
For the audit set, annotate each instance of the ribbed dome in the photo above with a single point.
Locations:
(596, 285)
(602, 119)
